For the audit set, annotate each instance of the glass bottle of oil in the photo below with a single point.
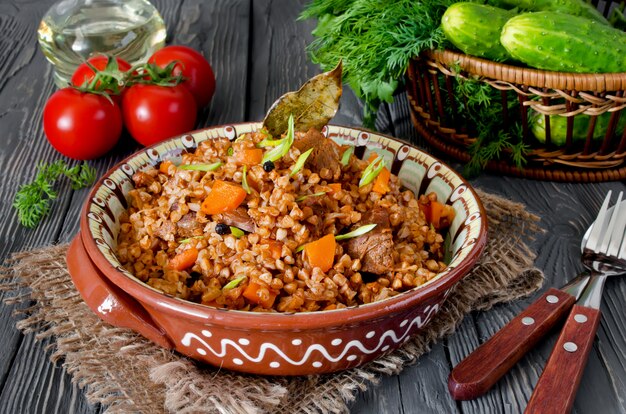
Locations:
(73, 30)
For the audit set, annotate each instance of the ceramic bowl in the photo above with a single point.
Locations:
(271, 343)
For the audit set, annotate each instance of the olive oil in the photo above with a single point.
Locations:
(73, 30)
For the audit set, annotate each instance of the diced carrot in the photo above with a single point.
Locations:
(276, 247)
(184, 259)
(372, 157)
(249, 156)
(224, 196)
(321, 253)
(436, 208)
(334, 188)
(381, 183)
(164, 167)
(259, 294)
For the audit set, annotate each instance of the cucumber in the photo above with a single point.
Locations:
(560, 42)
(558, 127)
(573, 7)
(475, 29)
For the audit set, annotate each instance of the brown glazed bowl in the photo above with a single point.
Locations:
(271, 343)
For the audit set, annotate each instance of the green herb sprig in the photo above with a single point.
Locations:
(200, 167)
(300, 162)
(282, 148)
(236, 231)
(32, 200)
(305, 196)
(372, 170)
(345, 157)
(375, 40)
(234, 283)
(354, 233)
(244, 180)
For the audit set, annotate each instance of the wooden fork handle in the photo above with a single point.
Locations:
(556, 389)
(477, 373)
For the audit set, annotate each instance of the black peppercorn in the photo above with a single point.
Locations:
(222, 229)
(268, 166)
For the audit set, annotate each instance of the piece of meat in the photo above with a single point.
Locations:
(187, 225)
(326, 152)
(375, 248)
(238, 218)
(166, 231)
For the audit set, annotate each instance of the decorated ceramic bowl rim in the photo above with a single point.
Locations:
(280, 320)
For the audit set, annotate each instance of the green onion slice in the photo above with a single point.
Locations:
(185, 241)
(244, 179)
(281, 149)
(300, 162)
(234, 283)
(356, 233)
(201, 167)
(240, 137)
(236, 231)
(304, 197)
(230, 151)
(372, 170)
(345, 157)
(300, 248)
(268, 142)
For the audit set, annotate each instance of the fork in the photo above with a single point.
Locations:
(604, 255)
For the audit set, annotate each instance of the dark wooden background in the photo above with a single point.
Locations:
(257, 51)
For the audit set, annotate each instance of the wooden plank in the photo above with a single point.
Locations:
(384, 397)
(424, 386)
(220, 31)
(37, 386)
(277, 61)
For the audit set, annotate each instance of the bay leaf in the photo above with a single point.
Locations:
(312, 106)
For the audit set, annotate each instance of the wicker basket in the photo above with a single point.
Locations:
(549, 93)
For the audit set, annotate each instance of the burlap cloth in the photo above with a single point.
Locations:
(127, 373)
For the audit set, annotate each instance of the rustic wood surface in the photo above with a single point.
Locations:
(257, 51)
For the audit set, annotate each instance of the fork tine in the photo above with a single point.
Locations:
(616, 229)
(600, 225)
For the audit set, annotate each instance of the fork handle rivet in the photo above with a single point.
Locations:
(580, 318)
(552, 299)
(527, 320)
(570, 347)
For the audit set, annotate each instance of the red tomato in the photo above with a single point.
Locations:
(154, 113)
(81, 125)
(85, 74)
(199, 77)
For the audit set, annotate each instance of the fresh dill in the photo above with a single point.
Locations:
(375, 41)
(32, 200)
(479, 107)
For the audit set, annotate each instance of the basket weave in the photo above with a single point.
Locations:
(548, 93)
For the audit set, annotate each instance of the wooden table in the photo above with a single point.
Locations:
(257, 49)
